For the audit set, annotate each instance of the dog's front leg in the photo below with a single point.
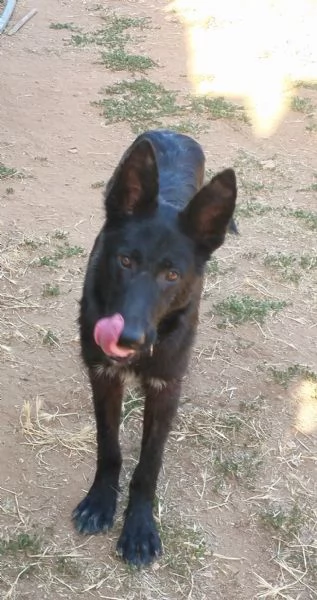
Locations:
(96, 512)
(139, 542)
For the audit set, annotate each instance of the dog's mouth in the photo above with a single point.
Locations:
(122, 361)
(107, 333)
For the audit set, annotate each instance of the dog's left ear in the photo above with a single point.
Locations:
(133, 188)
(208, 215)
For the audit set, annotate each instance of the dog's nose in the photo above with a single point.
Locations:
(132, 338)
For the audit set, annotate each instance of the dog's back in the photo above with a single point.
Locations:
(181, 165)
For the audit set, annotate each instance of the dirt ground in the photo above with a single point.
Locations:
(237, 496)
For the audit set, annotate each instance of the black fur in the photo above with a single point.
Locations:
(167, 223)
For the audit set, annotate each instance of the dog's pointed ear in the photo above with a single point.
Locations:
(207, 216)
(134, 186)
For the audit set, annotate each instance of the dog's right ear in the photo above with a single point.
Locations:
(134, 186)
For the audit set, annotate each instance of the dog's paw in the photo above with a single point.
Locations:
(139, 543)
(95, 513)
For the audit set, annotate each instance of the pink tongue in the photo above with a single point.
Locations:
(107, 332)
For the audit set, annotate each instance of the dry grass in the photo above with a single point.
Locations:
(46, 432)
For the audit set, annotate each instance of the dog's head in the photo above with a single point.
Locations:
(152, 254)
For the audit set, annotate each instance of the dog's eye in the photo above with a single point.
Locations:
(172, 275)
(125, 262)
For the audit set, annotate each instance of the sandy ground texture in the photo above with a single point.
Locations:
(236, 502)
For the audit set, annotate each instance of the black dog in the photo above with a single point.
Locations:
(139, 313)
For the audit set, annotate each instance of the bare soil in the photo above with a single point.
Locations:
(237, 495)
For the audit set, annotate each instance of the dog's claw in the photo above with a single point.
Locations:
(139, 543)
(95, 513)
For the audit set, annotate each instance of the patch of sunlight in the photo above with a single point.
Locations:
(254, 50)
(306, 420)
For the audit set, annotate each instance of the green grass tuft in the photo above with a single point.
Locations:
(60, 253)
(308, 85)
(308, 262)
(50, 290)
(50, 339)
(7, 172)
(289, 266)
(252, 208)
(114, 34)
(68, 566)
(97, 185)
(311, 126)
(303, 105)
(217, 108)
(120, 60)
(60, 26)
(23, 542)
(287, 522)
(284, 376)
(240, 309)
(183, 546)
(112, 38)
(142, 103)
(310, 188)
(308, 217)
(239, 464)
(190, 127)
(251, 187)
(59, 234)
